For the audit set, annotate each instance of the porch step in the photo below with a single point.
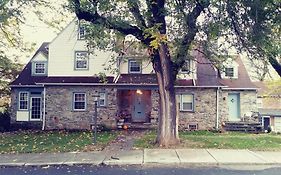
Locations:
(254, 127)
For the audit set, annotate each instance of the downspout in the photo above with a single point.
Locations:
(217, 107)
(44, 108)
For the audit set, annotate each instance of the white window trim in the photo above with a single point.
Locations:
(105, 99)
(129, 66)
(73, 102)
(75, 60)
(20, 100)
(181, 103)
(36, 73)
(30, 117)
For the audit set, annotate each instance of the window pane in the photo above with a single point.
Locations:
(134, 66)
(186, 67)
(81, 60)
(102, 99)
(79, 101)
(187, 106)
(23, 100)
(187, 98)
(82, 32)
(39, 68)
(229, 72)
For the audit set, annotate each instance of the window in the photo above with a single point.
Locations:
(79, 101)
(81, 60)
(186, 67)
(102, 99)
(134, 66)
(81, 32)
(185, 102)
(229, 72)
(39, 68)
(193, 126)
(23, 101)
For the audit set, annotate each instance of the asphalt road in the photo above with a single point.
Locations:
(130, 170)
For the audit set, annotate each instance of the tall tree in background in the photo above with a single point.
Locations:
(170, 28)
(12, 17)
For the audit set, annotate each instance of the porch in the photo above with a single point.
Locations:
(137, 106)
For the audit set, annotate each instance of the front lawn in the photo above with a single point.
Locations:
(52, 141)
(227, 140)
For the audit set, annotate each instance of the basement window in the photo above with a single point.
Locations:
(193, 127)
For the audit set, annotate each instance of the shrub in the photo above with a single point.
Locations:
(4, 121)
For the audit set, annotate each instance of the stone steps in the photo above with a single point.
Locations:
(254, 127)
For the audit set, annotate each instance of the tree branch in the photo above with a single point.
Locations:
(135, 10)
(157, 7)
(187, 39)
(108, 22)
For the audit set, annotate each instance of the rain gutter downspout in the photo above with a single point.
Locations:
(44, 108)
(217, 107)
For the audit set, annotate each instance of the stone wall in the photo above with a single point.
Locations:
(248, 103)
(59, 107)
(204, 114)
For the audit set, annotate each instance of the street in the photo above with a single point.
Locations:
(135, 170)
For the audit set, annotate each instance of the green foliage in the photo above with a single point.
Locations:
(219, 26)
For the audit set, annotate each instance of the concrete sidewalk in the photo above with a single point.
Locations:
(211, 157)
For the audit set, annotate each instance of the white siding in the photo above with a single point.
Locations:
(39, 57)
(146, 66)
(62, 52)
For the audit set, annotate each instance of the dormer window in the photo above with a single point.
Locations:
(186, 67)
(40, 68)
(229, 72)
(134, 66)
(81, 60)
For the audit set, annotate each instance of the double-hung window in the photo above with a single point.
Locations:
(185, 102)
(81, 60)
(229, 72)
(79, 101)
(39, 68)
(134, 66)
(23, 100)
(81, 32)
(102, 99)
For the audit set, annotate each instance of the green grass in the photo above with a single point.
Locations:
(52, 141)
(228, 140)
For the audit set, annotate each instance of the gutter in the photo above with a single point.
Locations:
(228, 88)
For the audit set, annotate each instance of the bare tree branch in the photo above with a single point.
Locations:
(121, 26)
(135, 10)
(187, 39)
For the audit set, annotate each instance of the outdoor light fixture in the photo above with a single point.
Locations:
(139, 91)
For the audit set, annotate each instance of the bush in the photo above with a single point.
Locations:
(4, 121)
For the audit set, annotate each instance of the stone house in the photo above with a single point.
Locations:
(58, 87)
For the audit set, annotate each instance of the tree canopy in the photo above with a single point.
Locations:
(171, 29)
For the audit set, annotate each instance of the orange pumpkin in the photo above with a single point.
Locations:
(125, 127)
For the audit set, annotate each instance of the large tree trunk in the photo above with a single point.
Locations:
(275, 64)
(167, 126)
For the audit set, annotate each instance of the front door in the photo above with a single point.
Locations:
(35, 111)
(266, 123)
(234, 107)
(138, 107)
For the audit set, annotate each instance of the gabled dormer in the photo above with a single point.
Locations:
(39, 62)
(230, 69)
